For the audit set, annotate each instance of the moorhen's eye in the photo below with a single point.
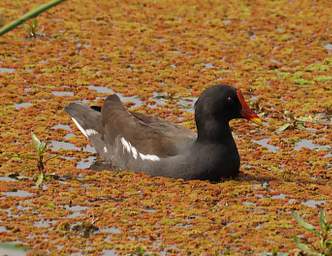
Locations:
(229, 99)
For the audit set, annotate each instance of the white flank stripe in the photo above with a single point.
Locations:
(149, 157)
(134, 151)
(79, 127)
(90, 132)
(131, 149)
(125, 144)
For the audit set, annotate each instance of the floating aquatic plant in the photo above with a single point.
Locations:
(140, 251)
(102, 38)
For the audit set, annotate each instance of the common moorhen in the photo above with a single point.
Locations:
(134, 141)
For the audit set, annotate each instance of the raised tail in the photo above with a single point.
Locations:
(89, 122)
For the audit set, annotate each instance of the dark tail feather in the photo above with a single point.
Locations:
(96, 108)
(89, 122)
(87, 118)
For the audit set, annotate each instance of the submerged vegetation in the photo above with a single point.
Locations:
(159, 56)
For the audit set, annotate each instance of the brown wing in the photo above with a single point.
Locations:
(148, 134)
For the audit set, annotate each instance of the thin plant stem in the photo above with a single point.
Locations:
(31, 14)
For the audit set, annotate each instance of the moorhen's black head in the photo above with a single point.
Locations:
(219, 104)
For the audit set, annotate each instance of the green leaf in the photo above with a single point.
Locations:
(42, 148)
(35, 142)
(283, 128)
(51, 205)
(304, 224)
(14, 249)
(328, 247)
(323, 78)
(328, 250)
(51, 157)
(39, 146)
(305, 119)
(40, 180)
(317, 67)
(322, 221)
(302, 81)
(306, 249)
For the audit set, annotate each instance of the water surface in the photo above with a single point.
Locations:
(61, 145)
(304, 143)
(86, 162)
(18, 193)
(7, 70)
(313, 203)
(63, 93)
(61, 127)
(22, 105)
(12, 249)
(264, 143)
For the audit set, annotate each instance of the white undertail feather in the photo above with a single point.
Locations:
(79, 127)
(105, 149)
(90, 132)
(132, 150)
(87, 132)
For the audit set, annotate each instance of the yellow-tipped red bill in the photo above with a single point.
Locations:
(257, 120)
(246, 112)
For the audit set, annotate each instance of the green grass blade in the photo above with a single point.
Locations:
(51, 157)
(323, 222)
(304, 224)
(305, 248)
(328, 246)
(31, 14)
